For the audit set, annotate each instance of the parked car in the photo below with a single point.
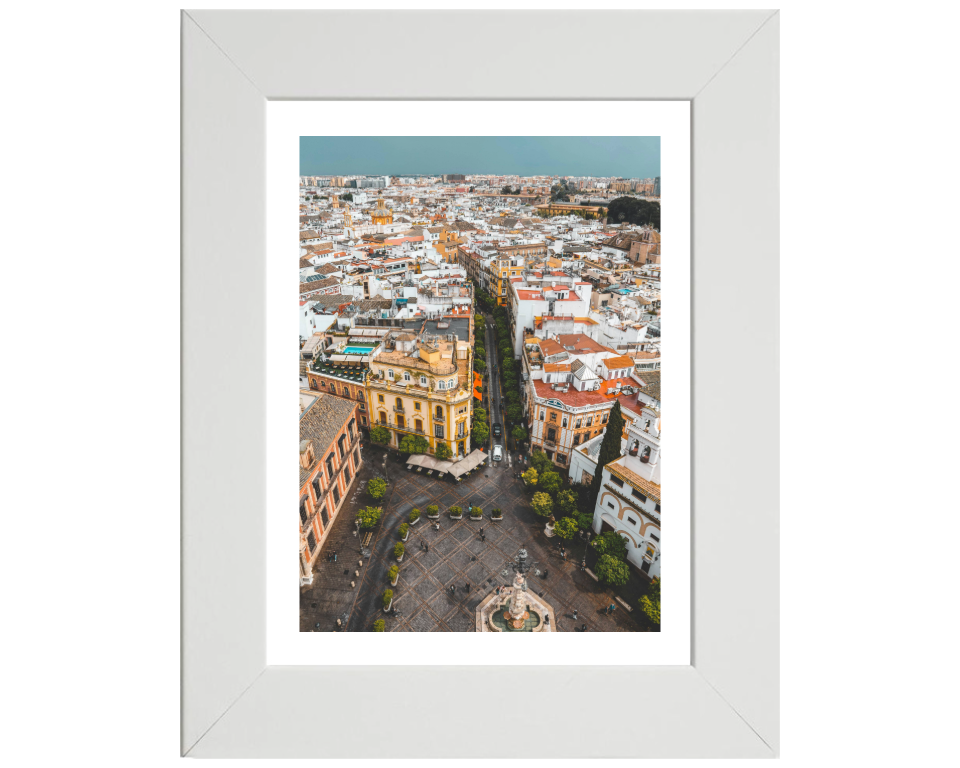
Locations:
(498, 453)
(497, 430)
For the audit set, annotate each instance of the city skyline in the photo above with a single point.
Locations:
(603, 156)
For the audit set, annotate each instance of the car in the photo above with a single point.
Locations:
(497, 430)
(498, 453)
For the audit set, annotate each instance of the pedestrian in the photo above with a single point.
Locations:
(481, 530)
(610, 608)
(453, 589)
(482, 538)
(426, 547)
(574, 614)
(583, 627)
(467, 588)
(583, 564)
(545, 573)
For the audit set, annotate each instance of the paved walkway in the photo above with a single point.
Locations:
(457, 556)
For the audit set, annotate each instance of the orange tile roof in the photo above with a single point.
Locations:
(621, 361)
(573, 398)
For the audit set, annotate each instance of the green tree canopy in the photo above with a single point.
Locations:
(567, 502)
(612, 571)
(514, 412)
(380, 435)
(634, 211)
(481, 433)
(479, 414)
(443, 451)
(566, 528)
(347, 196)
(530, 476)
(414, 444)
(610, 543)
(650, 602)
(376, 487)
(585, 520)
(609, 448)
(540, 462)
(369, 516)
(550, 482)
(542, 504)
(519, 433)
(480, 365)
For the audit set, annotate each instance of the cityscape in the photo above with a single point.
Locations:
(480, 406)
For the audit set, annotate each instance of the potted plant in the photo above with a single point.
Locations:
(404, 531)
(387, 600)
(456, 513)
(476, 513)
(497, 514)
(398, 551)
(379, 625)
(433, 512)
(414, 516)
(394, 574)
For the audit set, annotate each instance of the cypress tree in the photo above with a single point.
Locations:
(609, 449)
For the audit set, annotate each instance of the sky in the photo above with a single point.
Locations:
(625, 156)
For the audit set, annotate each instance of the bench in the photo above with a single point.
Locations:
(367, 537)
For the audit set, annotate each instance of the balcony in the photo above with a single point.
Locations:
(399, 409)
(439, 419)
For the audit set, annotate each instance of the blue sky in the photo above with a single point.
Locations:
(626, 156)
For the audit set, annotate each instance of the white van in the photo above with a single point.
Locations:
(498, 453)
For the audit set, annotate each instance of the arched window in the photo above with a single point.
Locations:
(423, 381)
(399, 404)
(450, 384)
(390, 374)
(440, 385)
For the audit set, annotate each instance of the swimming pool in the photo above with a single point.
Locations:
(355, 350)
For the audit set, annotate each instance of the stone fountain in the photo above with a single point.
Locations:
(515, 609)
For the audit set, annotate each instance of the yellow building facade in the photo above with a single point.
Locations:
(421, 385)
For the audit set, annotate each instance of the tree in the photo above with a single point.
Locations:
(369, 516)
(609, 448)
(550, 482)
(512, 398)
(443, 451)
(567, 502)
(414, 444)
(376, 487)
(530, 476)
(519, 433)
(479, 365)
(379, 435)
(347, 196)
(542, 504)
(540, 462)
(585, 520)
(612, 571)
(479, 414)
(610, 543)
(514, 412)
(650, 602)
(481, 433)
(378, 625)
(566, 528)
(632, 210)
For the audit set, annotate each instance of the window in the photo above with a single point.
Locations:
(406, 376)
(638, 495)
(390, 374)
(440, 385)
(589, 421)
(330, 466)
(561, 459)
(303, 510)
(316, 487)
(552, 435)
(350, 427)
(553, 416)
(460, 429)
(311, 541)
(616, 481)
(658, 507)
(363, 420)
(336, 495)
(604, 420)
(576, 439)
(346, 474)
(610, 504)
(416, 406)
(380, 398)
(423, 381)
(323, 515)
(439, 412)
(578, 422)
(631, 521)
(438, 430)
(340, 444)
(356, 458)
(564, 425)
(399, 404)
(383, 418)
(654, 537)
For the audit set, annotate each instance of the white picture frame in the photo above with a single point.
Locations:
(726, 703)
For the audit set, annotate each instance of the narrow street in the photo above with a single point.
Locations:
(493, 388)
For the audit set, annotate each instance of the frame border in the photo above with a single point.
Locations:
(726, 704)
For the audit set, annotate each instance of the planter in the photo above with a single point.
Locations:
(387, 609)
(476, 518)
(406, 537)
(457, 517)
(400, 559)
(414, 522)
(434, 517)
(394, 583)
(497, 519)
(644, 459)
